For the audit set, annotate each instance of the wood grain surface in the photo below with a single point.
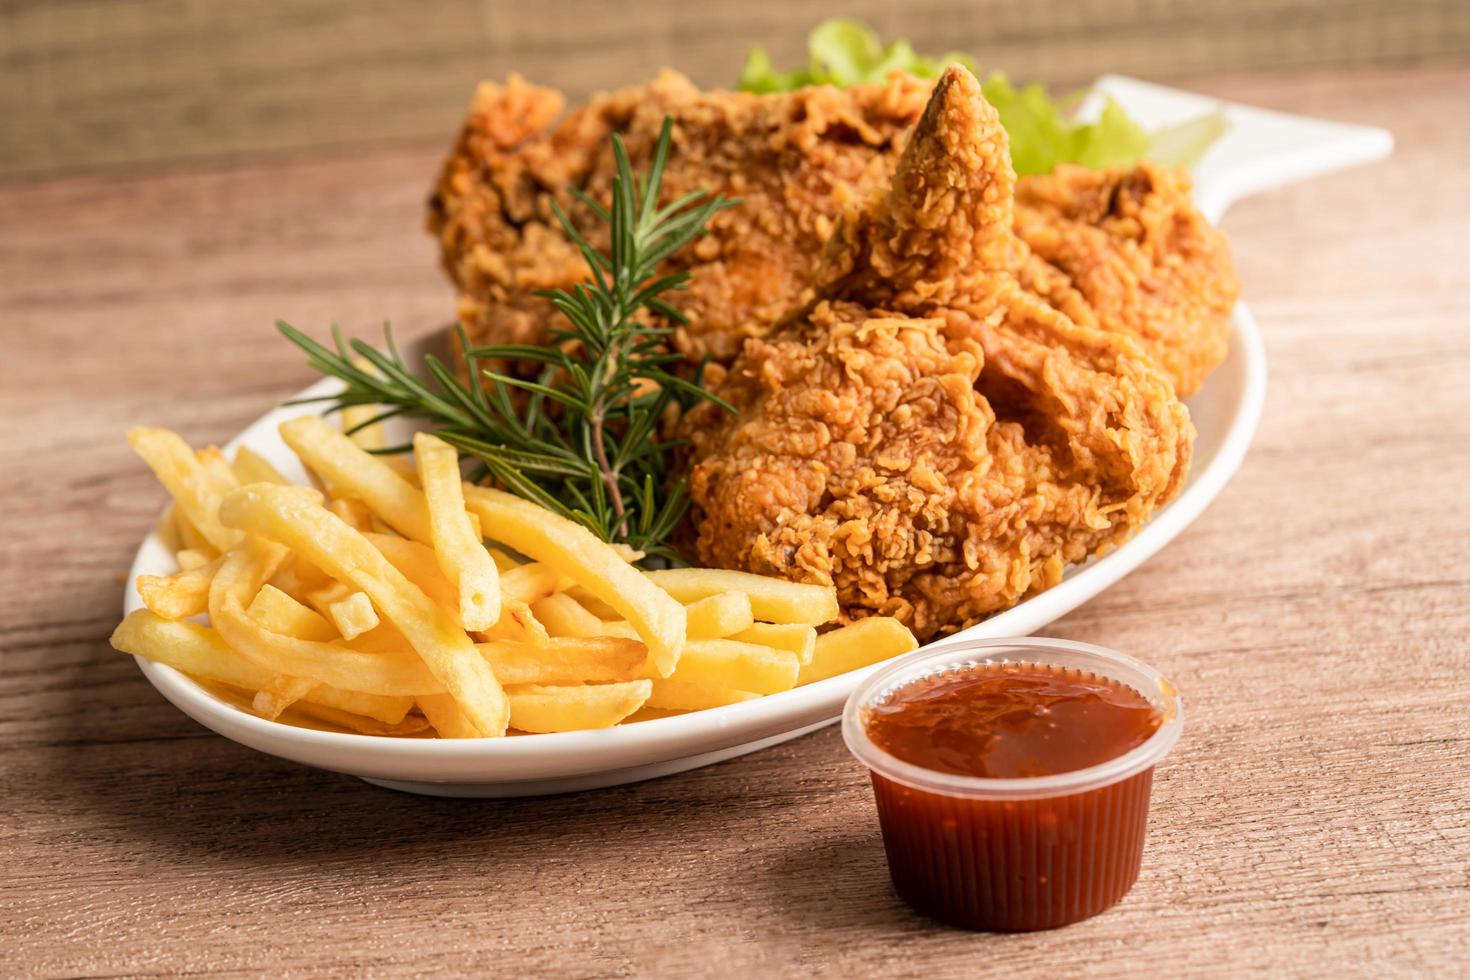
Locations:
(86, 84)
(1314, 821)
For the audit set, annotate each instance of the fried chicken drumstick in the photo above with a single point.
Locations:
(932, 438)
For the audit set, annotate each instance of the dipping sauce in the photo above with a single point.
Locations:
(1012, 863)
(1007, 721)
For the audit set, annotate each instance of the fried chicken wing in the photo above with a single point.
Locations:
(1126, 250)
(931, 438)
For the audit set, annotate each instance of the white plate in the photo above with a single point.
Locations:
(1260, 150)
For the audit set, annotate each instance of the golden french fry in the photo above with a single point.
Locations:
(530, 583)
(541, 708)
(363, 725)
(676, 695)
(447, 717)
(201, 652)
(418, 565)
(564, 660)
(773, 600)
(503, 561)
(181, 595)
(720, 615)
(865, 642)
(217, 469)
(167, 529)
(280, 613)
(564, 616)
(251, 467)
(354, 512)
(557, 660)
(576, 553)
(351, 471)
(595, 605)
(353, 615)
(278, 694)
(800, 640)
(277, 611)
(742, 666)
(457, 545)
(627, 552)
(517, 623)
(186, 480)
(189, 536)
(190, 560)
(294, 516)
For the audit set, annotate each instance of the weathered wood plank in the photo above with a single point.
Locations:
(107, 83)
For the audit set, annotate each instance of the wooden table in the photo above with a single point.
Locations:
(1315, 819)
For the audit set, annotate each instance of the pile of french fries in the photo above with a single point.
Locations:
(399, 600)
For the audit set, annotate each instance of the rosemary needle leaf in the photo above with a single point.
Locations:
(581, 439)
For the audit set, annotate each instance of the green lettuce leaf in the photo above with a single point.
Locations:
(1043, 131)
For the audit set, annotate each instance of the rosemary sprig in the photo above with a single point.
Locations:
(582, 438)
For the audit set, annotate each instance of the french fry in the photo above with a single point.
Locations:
(564, 616)
(576, 553)
(742, 666)
(217, 469)
(566, 660)
(351, 471)
(353, 512)
(186, 480)
(189, 537)
(447, 717)
(676, 695)
(280, 613)
(865, 642)
(181, 595)
(167, 529)
(517, 623)
(530, 583)
(800, 640)
(503, 561)
(251, 467)
(558, 660)
(277, 611)
(457, 545)
(362, 724)
(294, 517)
(278, 694)
(772, 600)
(418, 565)
(595, 605)
(189, 559)
(353, 615)
(720, 615)
(201, 652)
(540, 708)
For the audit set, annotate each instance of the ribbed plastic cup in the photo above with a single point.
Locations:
(1014, 855)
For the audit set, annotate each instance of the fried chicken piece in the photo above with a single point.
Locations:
(932, 439)
(795, 160)
(1123, 250)
(1126, 250)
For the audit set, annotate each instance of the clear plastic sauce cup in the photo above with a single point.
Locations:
(1013, 854)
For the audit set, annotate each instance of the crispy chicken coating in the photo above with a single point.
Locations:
(931, 438)
(1126, 250)
(795, 160)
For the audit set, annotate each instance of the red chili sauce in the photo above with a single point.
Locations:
(1013, 864)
